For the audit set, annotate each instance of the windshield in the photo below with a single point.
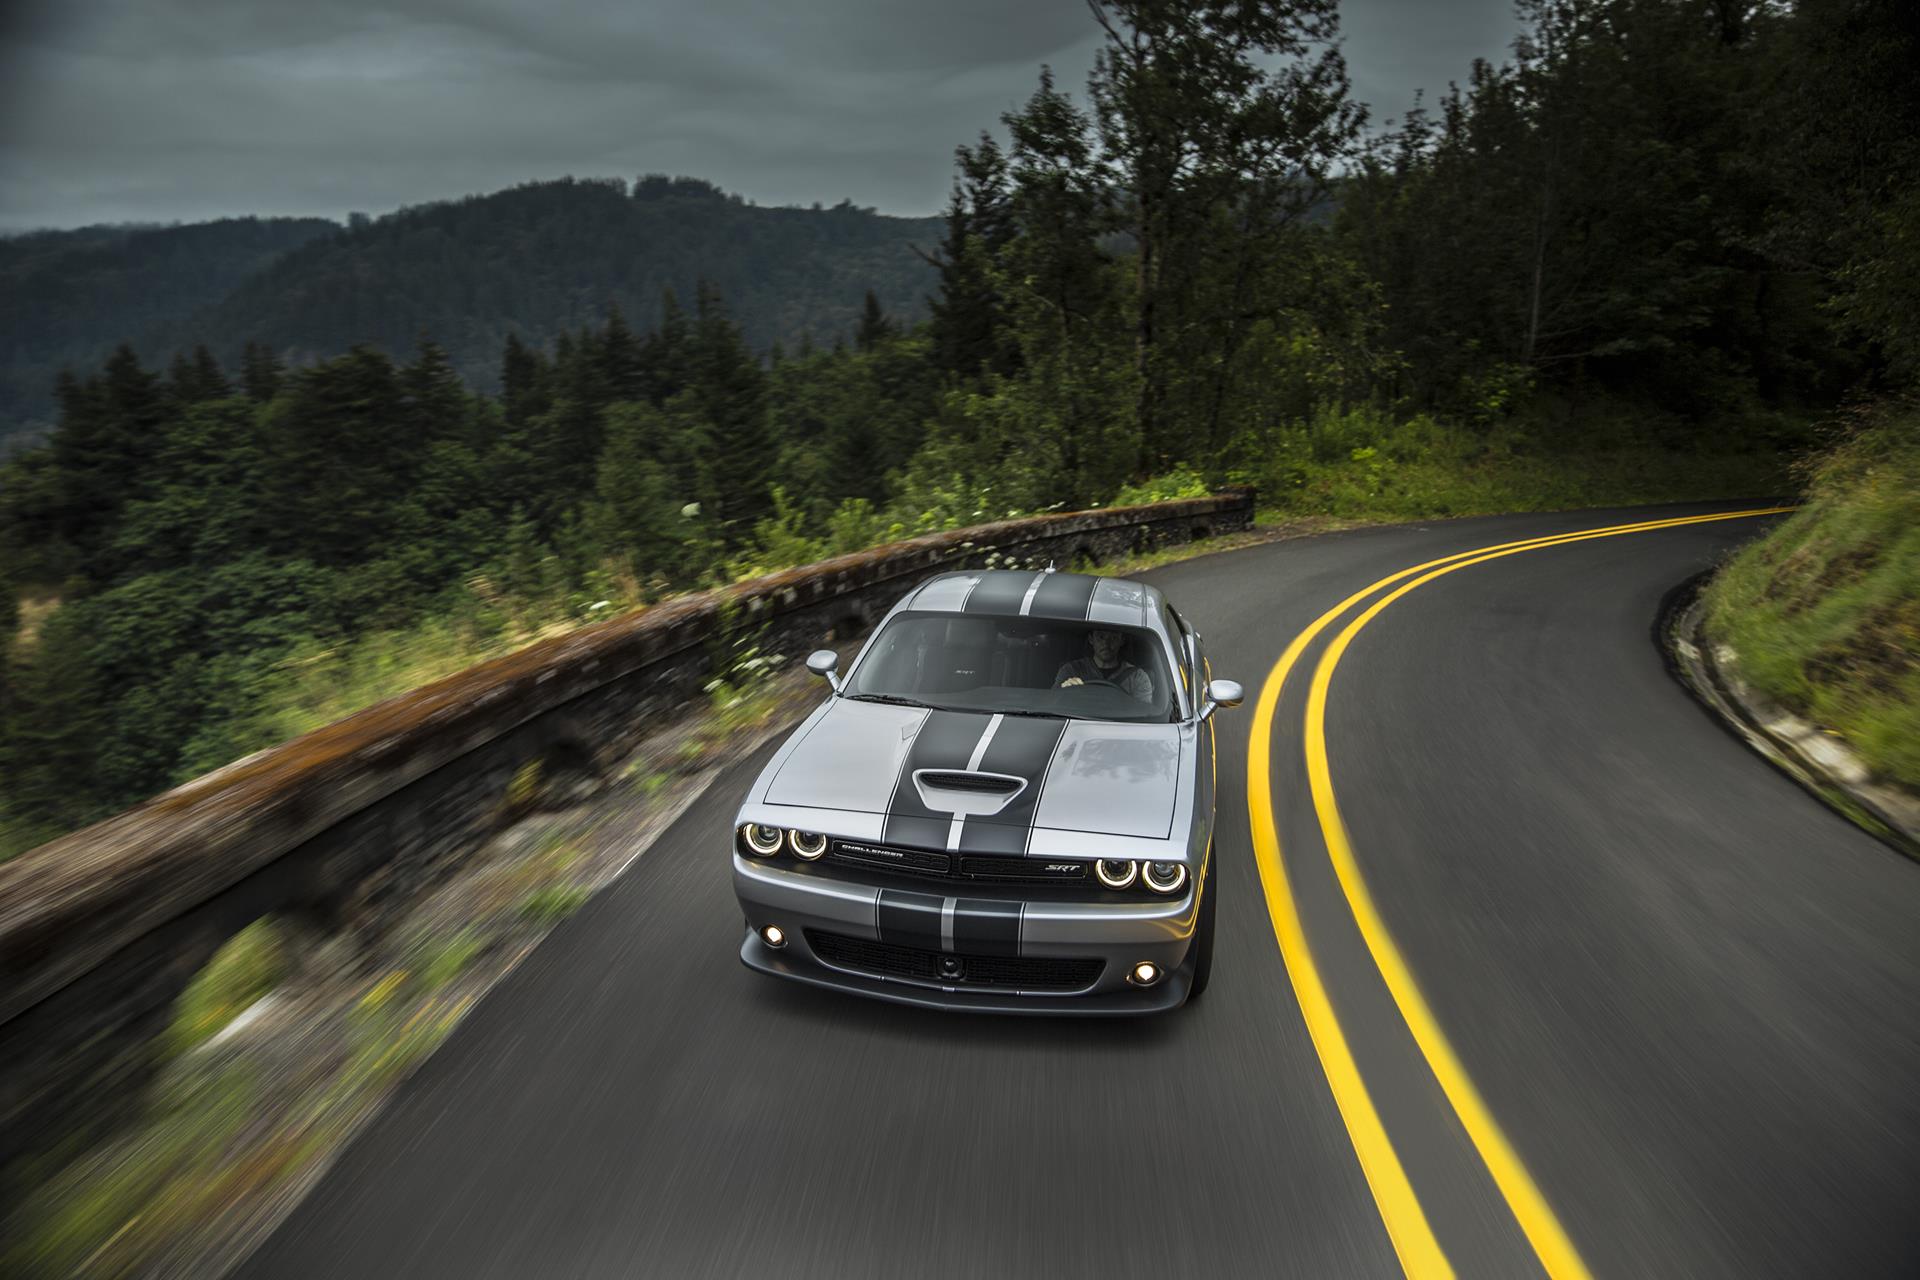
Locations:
(1019, 666)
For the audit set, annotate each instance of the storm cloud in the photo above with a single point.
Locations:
(157, 110)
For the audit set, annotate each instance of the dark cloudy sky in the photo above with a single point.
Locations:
(156, 110)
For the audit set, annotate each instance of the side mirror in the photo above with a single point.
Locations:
(1222, 693)
(823, 662)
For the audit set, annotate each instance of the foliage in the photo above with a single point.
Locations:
(250, 965)
(72, 295)
(553, 903)
(1181, 482)
(1824, 612)
(1624, 265)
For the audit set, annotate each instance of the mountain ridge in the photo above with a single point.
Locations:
(531, 261)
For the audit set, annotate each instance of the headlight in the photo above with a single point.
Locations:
(1116, 873)
(1166, 877)
(806, 845)
(764, 841)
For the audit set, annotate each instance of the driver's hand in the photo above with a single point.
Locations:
(1070, 681)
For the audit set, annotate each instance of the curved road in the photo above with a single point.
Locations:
(1683, 993)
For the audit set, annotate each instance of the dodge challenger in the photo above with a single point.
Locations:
(1005, 804)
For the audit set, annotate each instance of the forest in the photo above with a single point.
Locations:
(532, 262)
(1643, 257)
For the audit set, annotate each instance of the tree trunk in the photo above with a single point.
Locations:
(1539, 278)
(1144, 412)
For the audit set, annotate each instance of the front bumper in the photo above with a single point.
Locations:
(1118, 935)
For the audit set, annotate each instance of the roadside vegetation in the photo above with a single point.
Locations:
(1625, 264)
(1824, 612)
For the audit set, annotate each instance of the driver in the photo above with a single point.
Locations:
(1103, 665)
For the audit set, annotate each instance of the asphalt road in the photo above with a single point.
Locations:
(1688, 994)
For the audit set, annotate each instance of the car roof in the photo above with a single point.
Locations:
(1039, 594)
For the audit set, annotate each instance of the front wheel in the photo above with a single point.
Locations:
(1203, 936)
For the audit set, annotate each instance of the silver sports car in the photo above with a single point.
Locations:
(1006, 804)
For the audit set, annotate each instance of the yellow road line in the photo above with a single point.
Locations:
(1413, 1240)
(1406, 1223)
(1530, 1209)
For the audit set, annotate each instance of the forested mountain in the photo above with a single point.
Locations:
(539, 259)
(530, 262)
(70, 296)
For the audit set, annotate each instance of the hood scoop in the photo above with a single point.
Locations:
(966, 792)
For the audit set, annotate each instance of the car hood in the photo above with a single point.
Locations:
(1025, 772)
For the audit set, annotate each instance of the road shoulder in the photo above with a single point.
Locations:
(1818, 760)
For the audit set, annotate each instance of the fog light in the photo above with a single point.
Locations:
(773, 935)
(1144, 974)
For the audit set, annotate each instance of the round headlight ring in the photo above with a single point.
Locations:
(762, 840)
(1166, 877)
(1116, 873)
(806, 845)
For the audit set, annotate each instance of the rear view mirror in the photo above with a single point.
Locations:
(823, 663)
(1222, 693)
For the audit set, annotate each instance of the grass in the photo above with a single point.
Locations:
(251, 964)
(221, 1132)
(1824, 612)
(443, 960)
(98, 1216)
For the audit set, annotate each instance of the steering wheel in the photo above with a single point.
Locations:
(1088, 681)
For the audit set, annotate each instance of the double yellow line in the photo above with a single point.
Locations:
(1406, 1222)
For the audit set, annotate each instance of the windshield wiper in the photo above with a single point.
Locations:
(1043, 715)
(892, 700)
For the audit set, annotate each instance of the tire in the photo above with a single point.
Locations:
(1203, 937)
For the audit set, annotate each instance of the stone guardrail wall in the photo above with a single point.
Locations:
(101, 930)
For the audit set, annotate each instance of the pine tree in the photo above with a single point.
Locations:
(434, 404)
(875, 327)
(969, 320)
(110, 430)
(336, 469)
(664, 352)
(1218, 126)
(727, 390)
(260, 371)
(623, 360)
(525, 379)
(208, 376)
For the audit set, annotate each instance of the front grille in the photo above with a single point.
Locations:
(1004, 868)
(1020, 973)
(976, 866)
(913, 861)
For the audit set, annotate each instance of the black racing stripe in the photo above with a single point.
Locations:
(983, 927)
(1064, 595)
(999, 591)
(946, 741)
(1024, 747)
(910, 919)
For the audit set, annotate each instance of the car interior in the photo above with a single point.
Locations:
(980, 661)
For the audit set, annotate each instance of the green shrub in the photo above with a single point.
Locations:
(251, 964)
